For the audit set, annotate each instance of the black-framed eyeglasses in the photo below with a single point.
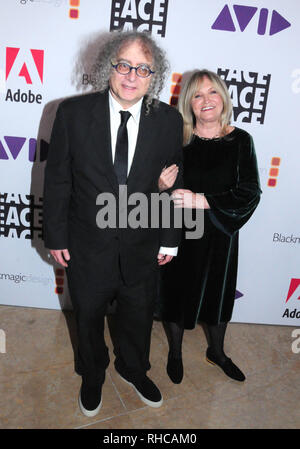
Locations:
(141, 70)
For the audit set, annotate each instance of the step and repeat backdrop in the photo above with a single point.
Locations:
(47, 48)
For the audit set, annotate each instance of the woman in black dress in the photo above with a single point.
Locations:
(221, 177)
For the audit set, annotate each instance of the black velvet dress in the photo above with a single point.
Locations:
(199, 284)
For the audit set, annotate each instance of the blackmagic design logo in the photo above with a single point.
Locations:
(249, 93)
(142, 15)
(18, 278)
(12, 146)
(243, 15)
(20, 216)
(56, 3)
(282, 238)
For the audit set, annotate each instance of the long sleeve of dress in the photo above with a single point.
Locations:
(230, 210)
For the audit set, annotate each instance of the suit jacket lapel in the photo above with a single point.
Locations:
(144, 145)
(101, 138)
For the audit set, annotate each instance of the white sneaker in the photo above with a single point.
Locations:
(86, 412)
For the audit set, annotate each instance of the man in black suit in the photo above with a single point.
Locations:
(119, 136)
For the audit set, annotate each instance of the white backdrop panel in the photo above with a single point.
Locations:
(262, 72)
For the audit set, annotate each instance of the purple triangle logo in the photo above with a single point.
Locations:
(224, 21)
(32, 150)
(14, 144)
(278, 23)
(238, 294)
(244, 14)
(3, 154)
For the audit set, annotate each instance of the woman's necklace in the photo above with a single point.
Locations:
(216, 136)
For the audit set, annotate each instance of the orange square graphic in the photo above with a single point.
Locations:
(272, 182)
(59, 281)
(74, 13)
(173, 101)
(175, 89)
(176, 78)
(274, 171)
(275, 161)
(74, 2)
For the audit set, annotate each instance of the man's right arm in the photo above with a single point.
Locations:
(57, 187)
(170, 238)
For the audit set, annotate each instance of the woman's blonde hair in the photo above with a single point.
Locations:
(185, 98)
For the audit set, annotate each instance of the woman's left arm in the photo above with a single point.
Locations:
(230, 210)
(184, 198)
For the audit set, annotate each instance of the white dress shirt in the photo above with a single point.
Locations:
(132, 126)
(132, 131)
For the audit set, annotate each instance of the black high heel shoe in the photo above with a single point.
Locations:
(175, 369)
(229, 368)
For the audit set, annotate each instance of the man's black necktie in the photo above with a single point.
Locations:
(121, 154)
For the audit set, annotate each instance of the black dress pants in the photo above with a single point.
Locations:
(133, 323)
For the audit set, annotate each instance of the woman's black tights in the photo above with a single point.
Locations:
(174, 334)
(215, 335)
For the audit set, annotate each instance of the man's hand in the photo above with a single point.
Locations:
(167, 177)
(163, 259)
(60, 255)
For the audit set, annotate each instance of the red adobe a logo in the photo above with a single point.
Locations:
(294, 286)
(38, 59)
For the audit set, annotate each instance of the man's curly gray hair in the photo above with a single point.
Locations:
(117, 40)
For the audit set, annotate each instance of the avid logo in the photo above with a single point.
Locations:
(249, 93)
(24, 67)
(142, 15)
(11, 146)
(293, 295)
(243, 15)
(20, 216)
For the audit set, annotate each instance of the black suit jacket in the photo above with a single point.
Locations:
(80, 167)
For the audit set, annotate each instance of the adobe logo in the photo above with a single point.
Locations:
(15, 60)
(294, 290)
(28, 65)
(244, 14)
(293, 294)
